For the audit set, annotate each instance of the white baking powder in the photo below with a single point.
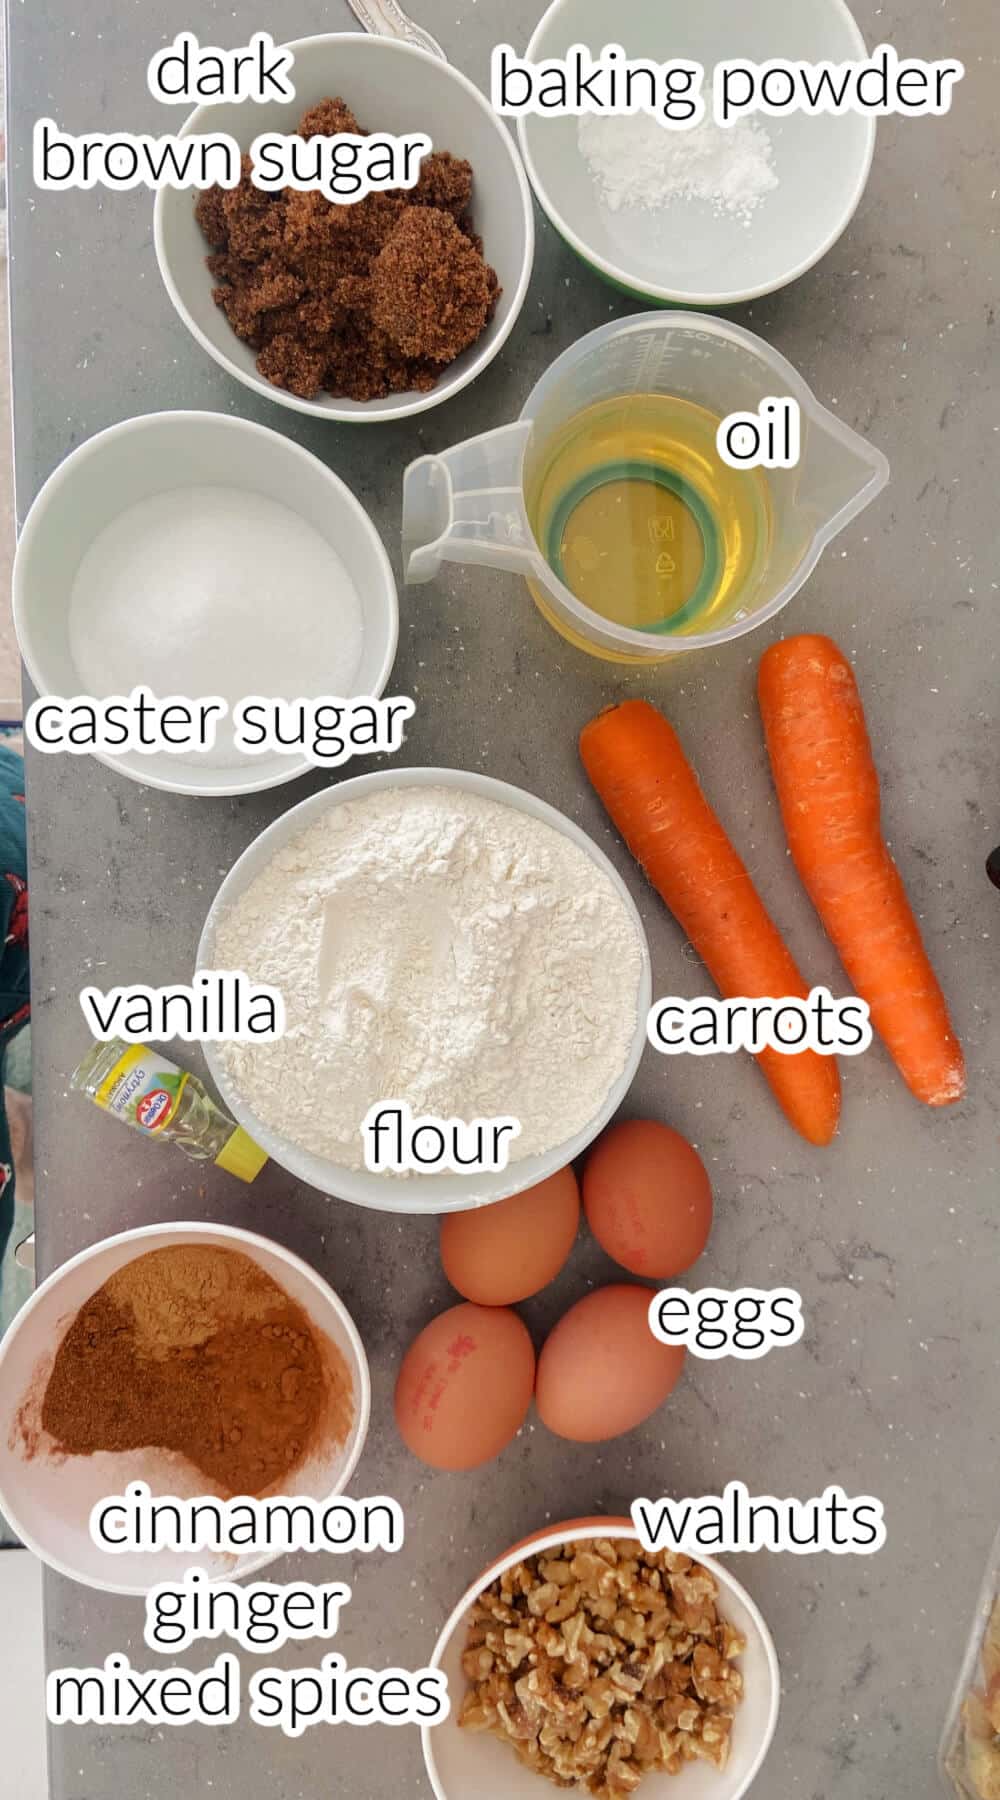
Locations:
(435, 947)
(636, 161)
(214, 591)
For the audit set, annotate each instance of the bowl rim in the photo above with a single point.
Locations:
(661, 292)
(360, 412)
(229, 785)
(550, 1537)
(359, 1186)
(184, 1230)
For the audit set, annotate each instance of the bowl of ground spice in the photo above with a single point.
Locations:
(355, 309)
(200, 1360)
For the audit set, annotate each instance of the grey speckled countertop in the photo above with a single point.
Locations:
(892, 1235)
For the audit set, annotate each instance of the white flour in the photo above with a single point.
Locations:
(440, 948)
(636, 161)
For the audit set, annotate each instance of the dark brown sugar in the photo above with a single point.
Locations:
(361, 301)
(429, 286)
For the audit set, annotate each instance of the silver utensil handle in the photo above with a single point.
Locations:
(385, 18)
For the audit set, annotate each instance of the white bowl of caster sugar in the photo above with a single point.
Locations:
(444, 943)
(718, 213)
(197, 556)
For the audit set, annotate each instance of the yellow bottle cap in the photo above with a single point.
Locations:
(240, 1156)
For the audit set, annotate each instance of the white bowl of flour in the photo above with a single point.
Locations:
(203, 556)
(440, 939)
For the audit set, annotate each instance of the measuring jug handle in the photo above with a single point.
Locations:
(467, 506)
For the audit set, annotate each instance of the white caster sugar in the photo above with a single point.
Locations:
(435, 947)
(214, 591)
(636, 161)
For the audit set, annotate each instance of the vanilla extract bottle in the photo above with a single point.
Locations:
(150, 1093)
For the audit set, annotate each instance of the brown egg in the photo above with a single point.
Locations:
(464, 1386)
(601, 1370)
(648, 1199)
(497, 1255)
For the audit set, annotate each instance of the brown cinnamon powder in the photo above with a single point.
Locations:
(195, 1349)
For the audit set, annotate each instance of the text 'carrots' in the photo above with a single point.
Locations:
(828, 789)
(635, 762)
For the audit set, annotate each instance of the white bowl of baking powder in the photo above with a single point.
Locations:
(382, 975)
(753, 217)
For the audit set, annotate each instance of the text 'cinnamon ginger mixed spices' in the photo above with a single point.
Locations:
(361, 300)
(194, 1349)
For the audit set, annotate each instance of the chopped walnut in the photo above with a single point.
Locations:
(601, 1663)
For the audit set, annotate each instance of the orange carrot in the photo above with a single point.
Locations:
(635, 762)
(828, 789)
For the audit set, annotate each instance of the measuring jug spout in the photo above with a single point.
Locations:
(842, 473)
(467, 506)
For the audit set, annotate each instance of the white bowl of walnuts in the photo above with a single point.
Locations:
(578, 1657)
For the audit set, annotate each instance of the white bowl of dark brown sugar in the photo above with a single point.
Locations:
(347, 304)
(195, 1362)
(184, 558)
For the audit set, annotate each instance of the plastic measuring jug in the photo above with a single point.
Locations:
(468, 504)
